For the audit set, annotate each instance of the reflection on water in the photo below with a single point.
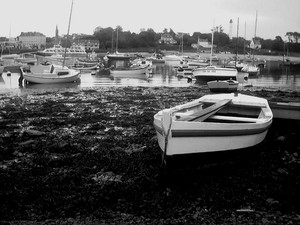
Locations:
(273, 75)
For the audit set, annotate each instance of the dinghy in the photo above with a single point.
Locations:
(213, 123)
(223, 85)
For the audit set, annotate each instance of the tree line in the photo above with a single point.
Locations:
(148, 39)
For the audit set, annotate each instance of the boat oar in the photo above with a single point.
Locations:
(205, 113)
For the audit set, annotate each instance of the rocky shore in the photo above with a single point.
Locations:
(91, 156)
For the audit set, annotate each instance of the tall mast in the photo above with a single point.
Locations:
(254, 35)
(255, 24)
(212, 45)
(245, 41)
(68, 32)
(237, 38)
(112, 41)
(117, 40)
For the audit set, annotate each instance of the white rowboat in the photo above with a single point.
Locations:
(130, 70)
(213, 123)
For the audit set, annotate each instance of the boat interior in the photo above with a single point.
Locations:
(227, 113)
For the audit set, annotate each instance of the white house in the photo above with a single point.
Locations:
(167, 39)
(255, 43)
(202, 43)
(32, 39)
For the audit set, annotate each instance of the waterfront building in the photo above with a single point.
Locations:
(32, 39)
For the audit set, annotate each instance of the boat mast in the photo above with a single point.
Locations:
(236, 43)
(181, 43)
(245, 41)
(68, 34)
(254, 35)
(212, 44)
(112, 41)
(117, 40)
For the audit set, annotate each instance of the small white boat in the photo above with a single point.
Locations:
(223, 85)
(213, 123)
(50, 74)
(74, 50)
(130, 70)
(172, 57)
(26, 58)
(286, 110)
(251, 70)
(184, 71)
(118, 56)
(86, 66)
(156, 58)
(210, 73)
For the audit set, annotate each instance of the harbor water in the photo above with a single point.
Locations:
(274, 75)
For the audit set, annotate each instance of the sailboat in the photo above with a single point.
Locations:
(210, 73)
(116, 55)
(250, 68)
(48, 73)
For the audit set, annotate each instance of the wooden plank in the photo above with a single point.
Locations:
(205, 113)
(234, 118)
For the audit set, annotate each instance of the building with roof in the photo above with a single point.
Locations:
(255, 43)
(167, 39)
(32, 39)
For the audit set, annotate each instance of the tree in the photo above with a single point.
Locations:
(104, 36)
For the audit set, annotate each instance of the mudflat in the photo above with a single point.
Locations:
(91, 156)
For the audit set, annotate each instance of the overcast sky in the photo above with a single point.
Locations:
(274, 17)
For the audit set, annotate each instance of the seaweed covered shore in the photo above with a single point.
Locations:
(90, 156)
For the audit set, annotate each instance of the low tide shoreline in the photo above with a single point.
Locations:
(90, 156)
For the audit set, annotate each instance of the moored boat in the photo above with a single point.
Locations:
(130, 70)
(251, 70)
(223, 85)
(118, 56)
(211, 73)
(286, 110)
(213, 123)
(50, 74)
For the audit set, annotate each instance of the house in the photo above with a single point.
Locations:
(32, 39)
(167, 39)
(202, 44)
(255, 43)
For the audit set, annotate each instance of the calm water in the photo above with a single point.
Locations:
(272, 76)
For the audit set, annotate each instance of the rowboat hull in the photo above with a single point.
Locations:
(223, 86)
(51, 78)
(286, 110)
(48, 74)
(130, 71)
(217, 133)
